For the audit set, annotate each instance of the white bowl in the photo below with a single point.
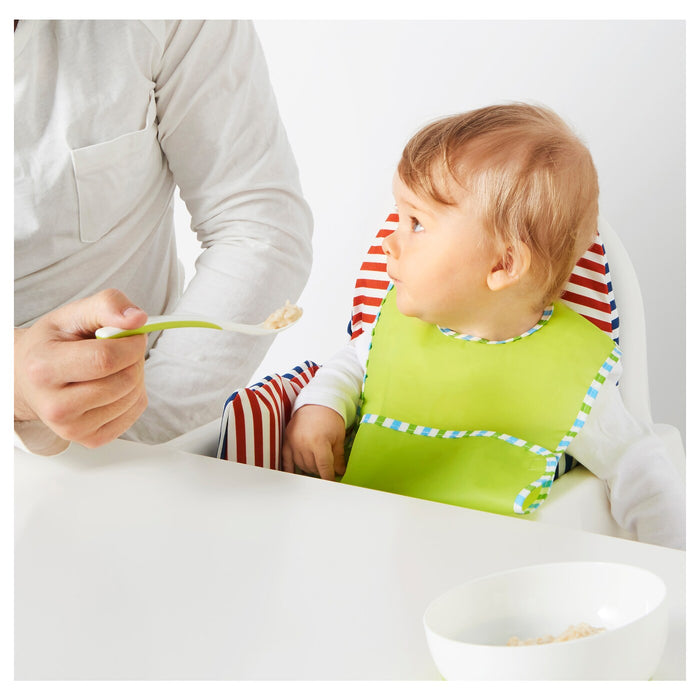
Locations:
(469, 626)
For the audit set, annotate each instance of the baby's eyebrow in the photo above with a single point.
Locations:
(413, 205)
(418, 209)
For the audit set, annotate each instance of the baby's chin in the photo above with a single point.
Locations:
(407, 309)
(405, 306)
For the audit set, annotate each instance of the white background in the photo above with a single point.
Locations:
(352, 92)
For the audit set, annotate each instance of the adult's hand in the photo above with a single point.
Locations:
(84, 389)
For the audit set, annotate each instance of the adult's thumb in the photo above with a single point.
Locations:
(109, 307)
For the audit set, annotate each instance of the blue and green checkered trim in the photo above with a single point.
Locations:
(589, 398)
(543, 483)
(414, 429)
(546, 315)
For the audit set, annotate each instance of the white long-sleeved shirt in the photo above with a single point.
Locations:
(109, 117)
(646, 491)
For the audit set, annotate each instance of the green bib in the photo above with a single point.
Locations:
(474, 423)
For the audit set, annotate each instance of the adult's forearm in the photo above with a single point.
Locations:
(221, 132)
(191, 372)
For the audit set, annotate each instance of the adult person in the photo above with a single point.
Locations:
(109, 117)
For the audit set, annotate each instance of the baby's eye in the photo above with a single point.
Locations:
(416, 225)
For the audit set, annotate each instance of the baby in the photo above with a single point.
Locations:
(476, 379)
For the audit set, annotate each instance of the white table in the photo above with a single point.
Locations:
(138, 562)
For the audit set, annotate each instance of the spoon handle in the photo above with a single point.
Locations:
(155, 323)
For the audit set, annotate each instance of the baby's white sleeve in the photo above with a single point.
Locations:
(338, 383)
(646, 490)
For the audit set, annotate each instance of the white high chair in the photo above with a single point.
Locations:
(578, 499)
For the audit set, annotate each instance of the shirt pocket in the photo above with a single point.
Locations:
(112, 177)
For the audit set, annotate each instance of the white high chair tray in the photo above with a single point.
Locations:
(141, 562)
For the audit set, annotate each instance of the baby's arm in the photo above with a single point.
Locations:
(646, 490)
(314, 438)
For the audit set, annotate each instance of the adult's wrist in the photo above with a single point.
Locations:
(22, 410)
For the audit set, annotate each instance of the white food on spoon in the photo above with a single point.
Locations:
(283, 316)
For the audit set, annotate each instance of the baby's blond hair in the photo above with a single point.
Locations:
(531, 178)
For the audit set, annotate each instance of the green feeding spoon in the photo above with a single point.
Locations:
(279, 320)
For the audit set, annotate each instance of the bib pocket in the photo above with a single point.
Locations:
(111, 177)
(479, 469)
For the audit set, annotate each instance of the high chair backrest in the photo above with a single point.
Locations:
(634, 384)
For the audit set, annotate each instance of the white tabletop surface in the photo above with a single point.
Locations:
(138, 562)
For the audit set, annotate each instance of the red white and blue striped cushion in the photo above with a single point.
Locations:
(254, 418)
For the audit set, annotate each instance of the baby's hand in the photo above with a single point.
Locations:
(314, 441)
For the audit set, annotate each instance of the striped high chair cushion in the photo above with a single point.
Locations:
(588, 291)
(254, 418)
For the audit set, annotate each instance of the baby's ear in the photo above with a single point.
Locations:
(513, 263)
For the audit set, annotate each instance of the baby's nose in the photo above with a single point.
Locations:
(389, 245)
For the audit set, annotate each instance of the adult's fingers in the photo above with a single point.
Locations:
(104, 391)
(90, 359)
(87, 427)
(107, 308)
(115, 419)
